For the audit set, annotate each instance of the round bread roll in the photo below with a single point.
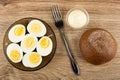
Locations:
(98, 46)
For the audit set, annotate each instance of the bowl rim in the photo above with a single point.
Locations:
(81, 9)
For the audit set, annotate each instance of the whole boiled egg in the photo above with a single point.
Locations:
(29, 43)
(14, 52)
(36, 28)
(32, 59)
(16, 33)
(45, 46)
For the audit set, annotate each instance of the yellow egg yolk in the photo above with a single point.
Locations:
(34, 58)
(44, 43)
(19, 30)
(15, 55)
(29, 42)
(35, 28)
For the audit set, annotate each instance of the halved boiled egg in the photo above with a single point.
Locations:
(16, 33)
(29, 43)
(14, 52)
(44, 46)
(32, 59)
(36, 28)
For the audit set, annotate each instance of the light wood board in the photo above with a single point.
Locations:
(103, 14)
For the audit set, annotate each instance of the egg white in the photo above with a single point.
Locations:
(12, 37)
(27, 63)
(43, 28)
(14, 46)
(26, 50)
(45, 51)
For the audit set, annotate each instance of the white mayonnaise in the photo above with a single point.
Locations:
(77, 18)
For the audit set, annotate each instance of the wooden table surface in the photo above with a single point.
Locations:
(103, 14)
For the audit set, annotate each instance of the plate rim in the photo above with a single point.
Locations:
(4, 50)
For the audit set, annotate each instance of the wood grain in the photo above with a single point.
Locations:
(103, 14)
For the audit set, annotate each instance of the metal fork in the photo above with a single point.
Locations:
(59, 24)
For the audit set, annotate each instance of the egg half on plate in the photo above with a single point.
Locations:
(16, 33)
(36, 28)
(44, 46)
(14, 53)
(32, 59)
(29, 43)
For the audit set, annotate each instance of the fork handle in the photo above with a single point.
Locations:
(74, 64)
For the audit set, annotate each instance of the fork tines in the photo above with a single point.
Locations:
(56, 13)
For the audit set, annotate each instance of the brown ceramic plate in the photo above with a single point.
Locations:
(46, 59)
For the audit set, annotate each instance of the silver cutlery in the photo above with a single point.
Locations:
(60, 24)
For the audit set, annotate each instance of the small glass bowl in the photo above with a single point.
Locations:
(81, 9)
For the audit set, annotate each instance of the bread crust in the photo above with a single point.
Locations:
(98, 46)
